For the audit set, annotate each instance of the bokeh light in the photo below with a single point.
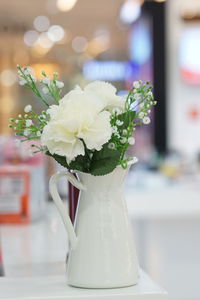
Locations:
(41, 23)
(79, 44)
(8, 77)
(56, 33)
(30, 37)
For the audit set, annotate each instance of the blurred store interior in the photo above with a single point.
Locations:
(117, 41)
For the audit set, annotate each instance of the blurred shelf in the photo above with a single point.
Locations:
(170, 201)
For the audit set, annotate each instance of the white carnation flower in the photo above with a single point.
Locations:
(79, 116)
(107, 93)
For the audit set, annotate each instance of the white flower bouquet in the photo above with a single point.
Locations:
(87, 130)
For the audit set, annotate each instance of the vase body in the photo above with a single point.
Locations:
(104, 254)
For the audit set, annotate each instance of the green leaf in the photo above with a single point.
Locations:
(127, 118)
(60, 159)
(104, 161)
(79, 164)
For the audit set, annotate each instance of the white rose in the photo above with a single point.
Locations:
(78, 117)
(107, 93)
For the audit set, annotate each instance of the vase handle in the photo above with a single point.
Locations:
(59, 204)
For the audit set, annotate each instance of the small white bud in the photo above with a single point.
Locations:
(22, 81)
(16, 121)
(146, 120)
(111, 146)
(59, 84)
(117, 111)
(123, 140)
(119, 123)
(46, 80)
(27, 108)
(141, 115)
(136, 84)
(29, 123)
(19, 116)
(124, 132)
(134, 160)
(131, 140)
(38, 133)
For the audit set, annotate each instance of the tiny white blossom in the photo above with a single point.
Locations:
(150, 94)
(141, 115)
(29, 123)
(146, 120)
(19, 116)
(114, 129)
(38, 133)
(16, 121)
(46, 80)
(45, 90)
(117, 111)
(27, 71)
(27, 108)
(22, 81)
(136, 84)
(119, 123)
(26, 132)
(59, 84)
(149, 111)
(123, 140)
(134, 160)
(111, 146)
(131, 140)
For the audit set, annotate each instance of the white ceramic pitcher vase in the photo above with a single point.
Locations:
(102, 252)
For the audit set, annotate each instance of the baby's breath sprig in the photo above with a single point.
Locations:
(27, 78)
(137, 108)
(52, 87)
(30, 125)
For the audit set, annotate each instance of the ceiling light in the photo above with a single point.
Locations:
(130, 11)
(65, 5)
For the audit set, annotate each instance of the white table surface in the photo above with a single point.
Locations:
(34, 263)
(55, 287)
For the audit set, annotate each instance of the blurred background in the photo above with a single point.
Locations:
(117, 41)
